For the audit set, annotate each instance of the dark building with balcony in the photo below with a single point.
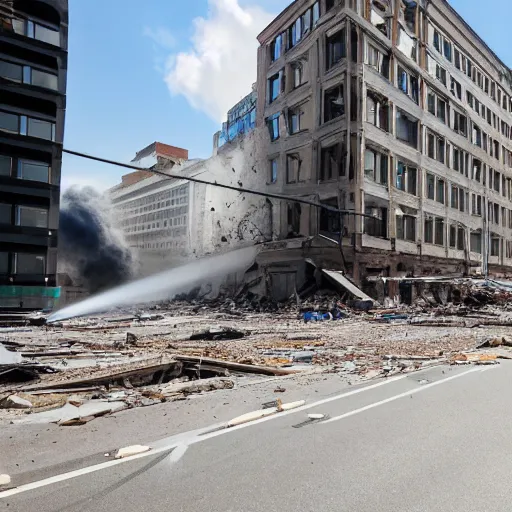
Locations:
(33, 67)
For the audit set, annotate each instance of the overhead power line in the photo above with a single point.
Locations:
(292, 199)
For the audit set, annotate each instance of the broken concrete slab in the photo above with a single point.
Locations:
(15, 402)
(337, 278)
(218, 333)
(197, 386)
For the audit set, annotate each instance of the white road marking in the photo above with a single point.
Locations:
(178, 452)
(401, 395)
(185, 442)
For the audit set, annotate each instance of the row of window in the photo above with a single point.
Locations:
(28, 75)
(177, 221)
(463, 63)
(24, 125)
(27, 216)
(148, 217)
(156, 235)
(25, 169)
(22, 263)
(35, 30)
(160, 245)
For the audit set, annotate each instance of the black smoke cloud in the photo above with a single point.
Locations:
(91, 248)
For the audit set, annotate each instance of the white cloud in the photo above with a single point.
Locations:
(220, 67)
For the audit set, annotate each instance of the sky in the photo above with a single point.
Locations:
(168, 71)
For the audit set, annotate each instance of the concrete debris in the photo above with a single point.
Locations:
(197, 386)
(4, 480)
(15, 402)
(262, 413)
(130, 451)
(313, 416)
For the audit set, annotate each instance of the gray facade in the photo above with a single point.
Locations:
(397, 110)
(33, 67)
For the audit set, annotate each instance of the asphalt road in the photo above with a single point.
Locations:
(434, 440)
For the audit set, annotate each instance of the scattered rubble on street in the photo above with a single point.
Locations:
(74, 371)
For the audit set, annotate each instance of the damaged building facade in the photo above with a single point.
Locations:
(167, 221)
(397, 112)
(33, 67)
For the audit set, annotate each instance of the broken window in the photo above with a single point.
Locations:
(477, 170)
(475, 241)
(476, 138)
(439, 231)
(407, 44)
(406, 227)
(379, 15)
(429, 230)
(334, 103)
(495, 245)
(332, 162)
(378, 60)
(294, 214)
(406, 178)
(275, 86)
(273, 126)
(295, 119)
(376, 166)
(376, 222)
(336, 48)
(298, 74)
(406, 128)
(408, 83)
(273, 170)
(455, 88)
(293, 164)
(306, 21)
(460, 123)
(409, 8)
(461, 235)
(453, 236)
(377, 110)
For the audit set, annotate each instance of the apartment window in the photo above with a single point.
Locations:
(295, 33)
(273, 127)
(460, 123)
(439, 231)
(331, 162)
(440, 191)
(476, 204)
(436, 147)
(476, 138)
(41, 79)
(376, 166)
(11, 71)
(477, 170)
(406, 178)
(5, 165)
(461, 238)
(429, 230)
(406, 128)
(495, 149)
(275, 86)
(376, 226)
(378, 61)
(273, 170)
(475, 241)
(459, 160)
(316, 13)
(27, 263)
(437, 106)
(293, 164)
(431, 186)
(41, 129)
(496, 181)
(454, 197)
(406, 227)
(9, 122)
(33, 171)
(408, 84)
(5, 213)
(447, 49)
(306, 22)
(4, 262)
(295, 119)
(455, 88)
(336, 48)
(453, 236)
(495, 246)
(276, 48)
(298, 74)
(334, 103)
(377, 110)
(329, 4)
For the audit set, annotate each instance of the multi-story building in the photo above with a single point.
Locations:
(170, 220)
(33, 66)
(396, 111)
